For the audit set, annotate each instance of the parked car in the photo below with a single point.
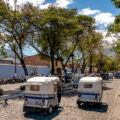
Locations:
(104, 76)
(110, 76)
(117, 75)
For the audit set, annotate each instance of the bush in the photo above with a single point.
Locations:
(1, 91)
(22, 88)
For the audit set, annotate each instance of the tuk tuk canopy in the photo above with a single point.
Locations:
(90, 79)
(90, 84)
(42, 85)
(43, 80)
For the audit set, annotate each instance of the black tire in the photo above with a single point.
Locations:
(50, 110)
(99, 105)
(79, 103)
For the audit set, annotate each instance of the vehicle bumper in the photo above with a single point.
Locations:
(33, 109)
(87, 101)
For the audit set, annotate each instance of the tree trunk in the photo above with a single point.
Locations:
(83, 63)
(63, 66)
(90, 67)
(83, 67)
(24, 67)
(52, 64)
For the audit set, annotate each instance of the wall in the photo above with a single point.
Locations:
(36, 61)
(7, 71)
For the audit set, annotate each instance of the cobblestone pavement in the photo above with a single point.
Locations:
(68, 110)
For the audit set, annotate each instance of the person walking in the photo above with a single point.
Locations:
(59, 92)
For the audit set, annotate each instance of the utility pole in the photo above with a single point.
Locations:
(15, 74)
(72, 62)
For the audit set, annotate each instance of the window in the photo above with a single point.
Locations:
(35, 88)
(87, 85)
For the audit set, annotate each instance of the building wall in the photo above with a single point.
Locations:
(57, 65)
(36, 61)
(6, 62)
(7, 71)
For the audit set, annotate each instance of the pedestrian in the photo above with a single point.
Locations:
(59, 92)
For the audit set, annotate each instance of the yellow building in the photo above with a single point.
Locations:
(57, 66)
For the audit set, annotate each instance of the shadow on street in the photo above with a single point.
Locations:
(90, 107)
(70, 93)
(40, 115)
(106, 88)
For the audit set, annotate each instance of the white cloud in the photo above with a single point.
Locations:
(88, 11)
(45, 6)
(110, 39)
(101, 18)
(39, 3)
(63, 3)
(33, 51)
(104, 18)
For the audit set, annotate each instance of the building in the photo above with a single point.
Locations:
(35, 60)
(57, 66)
(6, 62)
(9, 61)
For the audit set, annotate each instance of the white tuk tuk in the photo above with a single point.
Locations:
(90, 90)
(41, 94)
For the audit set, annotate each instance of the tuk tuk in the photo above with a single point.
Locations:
(90, 90)
(41, 94)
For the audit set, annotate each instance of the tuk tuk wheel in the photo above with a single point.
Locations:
(50, 109)
(79, 104)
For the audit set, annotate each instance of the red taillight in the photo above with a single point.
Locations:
(96, 97)
(26, 98)
(43, 100)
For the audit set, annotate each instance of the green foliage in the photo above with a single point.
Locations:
(56, 27)
(14, 31)
(116, 3)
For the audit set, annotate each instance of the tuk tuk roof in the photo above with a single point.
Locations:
(90, 79)
(43, 80)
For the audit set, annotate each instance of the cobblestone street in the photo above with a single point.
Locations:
(68, 109)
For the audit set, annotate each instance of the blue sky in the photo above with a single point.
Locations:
(102, 5)
(103, 11)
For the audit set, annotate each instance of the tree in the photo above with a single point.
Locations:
(54, 28)
(88, 45)
(15, 30)
(116, 3)
(114, 29)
